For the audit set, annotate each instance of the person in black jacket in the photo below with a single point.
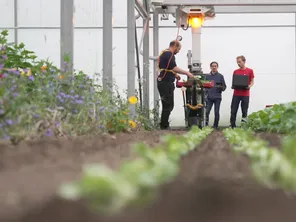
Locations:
(214, 95)
(168, 71)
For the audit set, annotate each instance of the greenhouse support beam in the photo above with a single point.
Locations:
(67, 34)
(107, 45)
(15, 13)
(146, 68)
(131, 52)
(155, 65)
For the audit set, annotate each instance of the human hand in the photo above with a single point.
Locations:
(178, 77)
(190, 75)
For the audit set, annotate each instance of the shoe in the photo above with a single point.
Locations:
(244, 120)
(165, 128)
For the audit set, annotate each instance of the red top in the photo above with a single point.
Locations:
(250, 73)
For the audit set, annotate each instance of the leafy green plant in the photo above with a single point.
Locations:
(280, 118)
(269, 166)
(38, 99)
(135, 182)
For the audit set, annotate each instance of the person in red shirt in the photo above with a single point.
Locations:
(241, 96)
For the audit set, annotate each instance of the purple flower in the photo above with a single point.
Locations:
(13, 88)
(49, 132)
(2, 111)
(9, 122)
(1, 66)
(3, 48)
(4, 57)
(6, 137)
(15, 94)
(79, 101)
(35, 116)
(16, 72)
(58, 124)
(31, 77)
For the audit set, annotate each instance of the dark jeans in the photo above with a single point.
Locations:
(236, 100)
(166, 92)
(216, 102)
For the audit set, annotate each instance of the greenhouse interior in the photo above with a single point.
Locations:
(268, 43)
(147, 110)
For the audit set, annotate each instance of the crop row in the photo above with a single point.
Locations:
(273, 168)
(135, 182)
(280, 118)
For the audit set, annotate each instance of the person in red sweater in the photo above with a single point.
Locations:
(241, 96)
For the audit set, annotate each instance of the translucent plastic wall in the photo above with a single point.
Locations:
(267, 41)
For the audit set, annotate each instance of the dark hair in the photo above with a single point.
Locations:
(212, 63)
(242, 58)
(174, 43)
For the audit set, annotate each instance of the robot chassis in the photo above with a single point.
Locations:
(193, 90)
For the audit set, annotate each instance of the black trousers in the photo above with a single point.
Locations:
(166, 92)
(236, 100)
(216, 102)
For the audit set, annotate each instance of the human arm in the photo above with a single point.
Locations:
(232, 83)
(181, 71)
(223, 86)
(252, 76)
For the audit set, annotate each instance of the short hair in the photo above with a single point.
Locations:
(212, 63)
(174, 43)
(241, 57)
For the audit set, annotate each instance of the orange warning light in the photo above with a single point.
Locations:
(196, 21)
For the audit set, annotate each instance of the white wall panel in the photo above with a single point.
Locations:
(39, 13)
(7, 13)
(88, 13)
(45, 43)
(88, 50)
(119, 13)
(119, 52)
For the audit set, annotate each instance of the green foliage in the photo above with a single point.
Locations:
(39, 99)
(280, 118)
(271, 167)
(135, 182)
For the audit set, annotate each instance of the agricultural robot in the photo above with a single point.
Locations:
(193, 90)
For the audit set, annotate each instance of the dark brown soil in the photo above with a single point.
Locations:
(215, 185)
(30, 173)
(273, 139)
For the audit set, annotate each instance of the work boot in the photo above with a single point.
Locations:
(165, 128)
